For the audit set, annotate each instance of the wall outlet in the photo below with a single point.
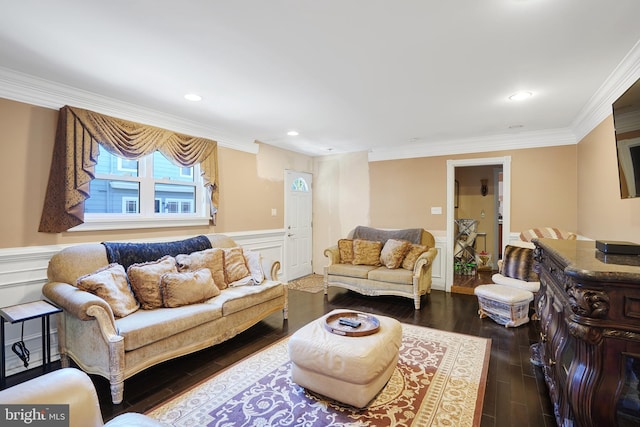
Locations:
(274, 212)
(436, 210)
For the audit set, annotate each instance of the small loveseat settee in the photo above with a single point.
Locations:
(373, 261)
(129, 306)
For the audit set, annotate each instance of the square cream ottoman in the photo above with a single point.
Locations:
(349, 369)
(505, 305)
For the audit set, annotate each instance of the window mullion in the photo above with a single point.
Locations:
(147, 189)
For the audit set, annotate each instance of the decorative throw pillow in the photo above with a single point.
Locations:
(213, 259)
(235, 266)
(412, 256)
(393, 252)
(110, 284)
(254, 263)
(517, 263)
(145, 280)
(345, 248)
(366, 252)
(189, 287)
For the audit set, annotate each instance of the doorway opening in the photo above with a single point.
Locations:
(479, 215)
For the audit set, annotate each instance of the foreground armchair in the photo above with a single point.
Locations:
(73, 387)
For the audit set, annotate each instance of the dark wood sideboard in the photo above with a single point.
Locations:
(589, 349)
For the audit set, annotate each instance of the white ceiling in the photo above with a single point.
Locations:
(395, 77)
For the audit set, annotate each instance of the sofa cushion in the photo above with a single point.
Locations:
(235, 266)
(366, 252)
(517, 263)
(393, 253)
(148, 326)
(345, 248)
(236, 299)
(110, 284)
(412, 256)
(188, 287)
(398, 275)
(350, 270)
(145, 280)
(213, 259)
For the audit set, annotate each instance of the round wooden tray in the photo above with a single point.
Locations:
(368, 324)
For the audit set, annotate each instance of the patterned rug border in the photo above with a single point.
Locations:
(159, 410)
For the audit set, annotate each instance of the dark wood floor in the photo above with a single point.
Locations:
(515, 393)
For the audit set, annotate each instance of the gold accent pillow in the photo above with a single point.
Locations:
(412, 256)
(213, 259)
(393, 252)
(366, 252)
(190, 287)
(110, 284)
(235, 266)
(145, 280)
(345, 248)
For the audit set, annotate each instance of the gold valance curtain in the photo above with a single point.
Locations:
(75, 155)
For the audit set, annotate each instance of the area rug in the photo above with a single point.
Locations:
(439, 381)
(312, 283)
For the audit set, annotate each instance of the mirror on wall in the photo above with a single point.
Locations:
(626, 119)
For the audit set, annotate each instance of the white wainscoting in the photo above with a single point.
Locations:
(439, 269)
(23, 272)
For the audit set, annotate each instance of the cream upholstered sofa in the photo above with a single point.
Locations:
(119, 346)
(70, 386)
(372, 274)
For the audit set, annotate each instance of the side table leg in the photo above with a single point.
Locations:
(3, 378)
(44, 345)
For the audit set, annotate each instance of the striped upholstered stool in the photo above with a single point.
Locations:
(505, 305)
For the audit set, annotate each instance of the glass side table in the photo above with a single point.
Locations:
(27, 311)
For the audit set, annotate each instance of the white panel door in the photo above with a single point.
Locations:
(297, 219)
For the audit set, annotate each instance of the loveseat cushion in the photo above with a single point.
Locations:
(409, 261)
(345, 248)
(393, 252)
(349, 270)
(366, 252)
(398, 275)
(148, 326)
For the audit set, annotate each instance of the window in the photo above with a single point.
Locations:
(300, 184)
(149, 189)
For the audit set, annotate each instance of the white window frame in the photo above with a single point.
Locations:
(147, 218)
(123, 168)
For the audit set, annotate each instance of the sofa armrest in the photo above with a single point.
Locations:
(425, 260)
(271, 268)
(82, 305)
(333, 254)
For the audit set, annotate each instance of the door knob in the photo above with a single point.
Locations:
(289, 235)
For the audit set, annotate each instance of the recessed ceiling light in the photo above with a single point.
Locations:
(192, 97)
(519, 96)
(293, 133)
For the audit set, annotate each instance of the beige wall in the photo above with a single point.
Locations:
(603, 213)
(543, 189)
(250, 185)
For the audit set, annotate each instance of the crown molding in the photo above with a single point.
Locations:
(534, 139)
(599, 105)
(45, 93)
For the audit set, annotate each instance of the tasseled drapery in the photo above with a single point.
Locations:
(76, 151)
